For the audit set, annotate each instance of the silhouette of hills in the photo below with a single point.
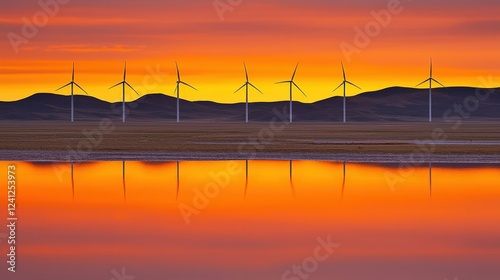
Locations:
(390, 104)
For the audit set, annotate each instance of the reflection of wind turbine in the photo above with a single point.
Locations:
(177, 89)
(72, 182)
(430, 91)
(246, 177)
(344, 83)
(124, 83)
(291, 178)
(292, 84)
(123, 180)
(245, 85)
(72, 84)
(177, 169)
(430, 179)
(343, 180)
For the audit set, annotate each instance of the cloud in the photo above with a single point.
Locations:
(93, 48)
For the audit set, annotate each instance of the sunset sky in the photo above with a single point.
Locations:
(210, 45)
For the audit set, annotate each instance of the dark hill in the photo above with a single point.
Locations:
(391, 104)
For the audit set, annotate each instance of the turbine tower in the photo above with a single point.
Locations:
(245, 85)
(72, 84)
(292, 84)
(344, 83)
(124, 83)
(177, 89)
(430, 91)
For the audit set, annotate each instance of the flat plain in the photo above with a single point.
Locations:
(253, 140)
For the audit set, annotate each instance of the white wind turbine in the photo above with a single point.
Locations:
(430, 91)
(292, 83)
(124, 83)
(177, 89)
(245, 85)
(344, 83)
(72, 84)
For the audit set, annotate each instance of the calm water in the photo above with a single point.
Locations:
(254, 220)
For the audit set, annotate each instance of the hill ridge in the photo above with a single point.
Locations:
(390, 104)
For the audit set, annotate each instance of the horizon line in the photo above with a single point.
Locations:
(284, 100)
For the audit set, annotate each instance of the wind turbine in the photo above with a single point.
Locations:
(72, 84)
(177, 88)
(344, 83)
(124, 83)
(430, 91)
(246, 84)
(292, 83)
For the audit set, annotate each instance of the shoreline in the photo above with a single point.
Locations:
(62, 156)
(156, 141)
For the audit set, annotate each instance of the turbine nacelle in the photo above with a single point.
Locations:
(247, 83)
(345, 81)
(72, 82)
(124, 82)
(430, 78)
(292, 82)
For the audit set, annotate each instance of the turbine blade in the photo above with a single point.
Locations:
(246, 71)
(343, 71)
(255, 88)
(176, 89)
(299, 89)
(240, 88)
(132, 88)
(352, 84)
(125, 72)
(116, 85)
(422, 83)
(178, 72)
(284, 82)
(64, 86)
(81, 88)
(431, 67)
(186, 84)
(295, 71)
(73, 73)
(438, 82)
(341, 84)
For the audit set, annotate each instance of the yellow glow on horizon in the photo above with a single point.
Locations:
(218, 82)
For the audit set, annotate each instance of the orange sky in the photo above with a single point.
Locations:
(270, 36)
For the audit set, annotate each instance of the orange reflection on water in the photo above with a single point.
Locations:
(211, 217)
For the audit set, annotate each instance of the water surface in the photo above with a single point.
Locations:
(255, 220)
